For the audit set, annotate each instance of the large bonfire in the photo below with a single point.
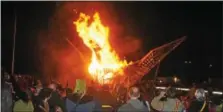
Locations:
(105, 63)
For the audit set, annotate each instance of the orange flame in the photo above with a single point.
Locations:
(105, 63)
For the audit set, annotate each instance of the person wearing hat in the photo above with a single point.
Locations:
(79, 101)
(199, 104)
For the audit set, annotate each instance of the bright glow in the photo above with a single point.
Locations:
(175, 79)
(106, 106)
(217, 92)
(160, 87)
(210, 65)
(105, 62)
(183, 89)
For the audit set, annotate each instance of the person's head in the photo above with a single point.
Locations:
(200, 94)
(6, 76)
(171, 93)
(134, 92)
(53, 86)
(62, 92)
(38, 83)
(24, 97)
(45, 94)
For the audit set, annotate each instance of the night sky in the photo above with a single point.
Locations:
(156, 23)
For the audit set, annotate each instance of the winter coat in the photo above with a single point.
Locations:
(85, 104)
(6, 99)
(106, 98)
(21, 106)
(55, 101)
(107, 101)
(170, 104)
(133, 105)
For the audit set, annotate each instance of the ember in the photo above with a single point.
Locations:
(105, 63)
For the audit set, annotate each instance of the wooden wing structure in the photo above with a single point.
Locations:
(137, 70)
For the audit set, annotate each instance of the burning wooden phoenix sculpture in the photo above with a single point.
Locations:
(105, 65)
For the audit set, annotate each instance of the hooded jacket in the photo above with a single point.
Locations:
(133, 105)
(85, 104)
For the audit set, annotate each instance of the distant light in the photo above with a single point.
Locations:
(175, 79)
(185, 61)
(217, 92)
(210, 65)
(160, 81)
(183, 89)
(190, 62)
(160, 87)
(187, 89)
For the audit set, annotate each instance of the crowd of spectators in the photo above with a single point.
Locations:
(27, 94)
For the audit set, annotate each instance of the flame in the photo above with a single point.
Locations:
(105, 63)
